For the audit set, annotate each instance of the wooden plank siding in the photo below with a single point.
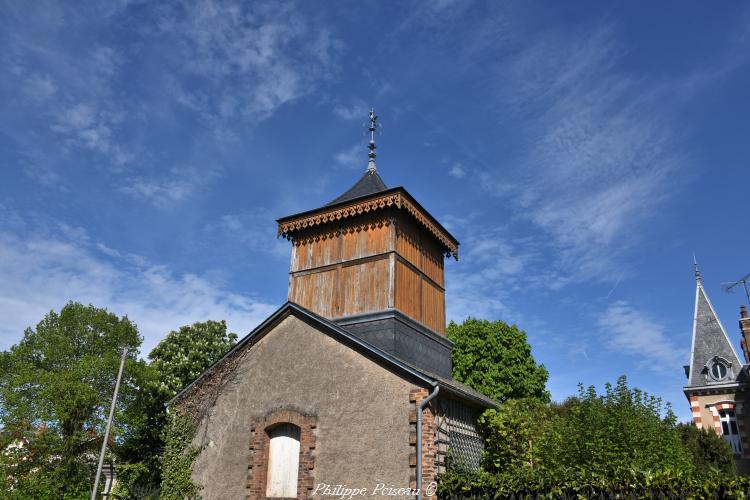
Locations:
(316, 291)
(433, 307)
(370, 266)
(364, 288)
(408, 298)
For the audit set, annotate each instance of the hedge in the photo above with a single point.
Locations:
(579, 484)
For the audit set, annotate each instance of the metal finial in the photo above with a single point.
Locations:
(373, 125)
(697, 271)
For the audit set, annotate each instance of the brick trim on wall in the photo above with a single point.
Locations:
(735, 406)
(695, 408)
(429, 436)
(259, 444)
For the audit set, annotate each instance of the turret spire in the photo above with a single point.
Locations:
(373, 125)
(697, 271)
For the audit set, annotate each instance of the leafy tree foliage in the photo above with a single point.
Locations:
(175, 362)
(519, 435)
(624, 428)
(708, 450)
(495, 359)
(604, 434)
(179, 455)
(186, 353)
(55, 389)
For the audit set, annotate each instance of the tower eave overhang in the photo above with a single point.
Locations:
(396, 197)
(714, 388)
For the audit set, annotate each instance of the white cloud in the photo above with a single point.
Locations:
(252, 57)
(43, 271)
(630, 332)
(457, 170)
(174, 187)
(253, 230)
(356, 110)
(600, 150)
(490, 271)
(39, 87)
(84, 125)
(354, 157)
(44, 176)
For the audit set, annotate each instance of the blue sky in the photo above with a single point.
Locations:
(580, 153)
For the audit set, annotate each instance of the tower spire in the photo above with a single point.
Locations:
(373, 125)
(697, 271)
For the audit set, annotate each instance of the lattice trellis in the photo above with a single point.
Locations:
(457, 436)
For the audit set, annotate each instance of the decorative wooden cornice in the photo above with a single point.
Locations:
(396, 198)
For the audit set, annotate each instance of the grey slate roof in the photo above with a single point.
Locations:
(326, 326)
(709, 341)
(369, 183)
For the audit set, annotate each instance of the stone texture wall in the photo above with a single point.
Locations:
(361, 413)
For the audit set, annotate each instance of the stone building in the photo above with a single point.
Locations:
(348, 384)
(718, 385)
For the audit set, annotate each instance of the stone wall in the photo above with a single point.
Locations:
(360, 409)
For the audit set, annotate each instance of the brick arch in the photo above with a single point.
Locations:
(259, 444)
(737, 407)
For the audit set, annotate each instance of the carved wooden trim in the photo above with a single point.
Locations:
(398, 200)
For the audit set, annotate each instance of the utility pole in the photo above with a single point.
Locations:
(109, 425)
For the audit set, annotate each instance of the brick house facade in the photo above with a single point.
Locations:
(718, 387)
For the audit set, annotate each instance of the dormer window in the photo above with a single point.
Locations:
(718, 369)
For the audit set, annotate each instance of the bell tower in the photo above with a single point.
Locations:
(372, 260)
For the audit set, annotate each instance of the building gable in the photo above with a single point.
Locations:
(710, 346)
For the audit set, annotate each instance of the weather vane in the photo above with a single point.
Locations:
(371, 155)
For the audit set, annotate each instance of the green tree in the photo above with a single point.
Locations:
(602, 435)
(708, 451)
(175, 362)
(55, 390)
(624, 428)
(495, 359)
(520, 434)
(186, 353)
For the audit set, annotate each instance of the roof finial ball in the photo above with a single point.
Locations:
(373, 125)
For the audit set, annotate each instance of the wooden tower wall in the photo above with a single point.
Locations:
(373, 263)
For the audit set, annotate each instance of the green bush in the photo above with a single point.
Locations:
(708, 451)
(579, 484)
(179, 455)
(621, 429)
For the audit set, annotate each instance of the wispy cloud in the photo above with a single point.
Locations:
(631, 332)
(352, 157)
(45, 268)
(492, 268)
(355, 110)
(457, 170)
(252, 231)
(600, 149)
(251, 57)
(216, 66)
(166, 190)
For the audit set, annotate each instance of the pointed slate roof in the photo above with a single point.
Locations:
(710, 341)
(369, 183)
